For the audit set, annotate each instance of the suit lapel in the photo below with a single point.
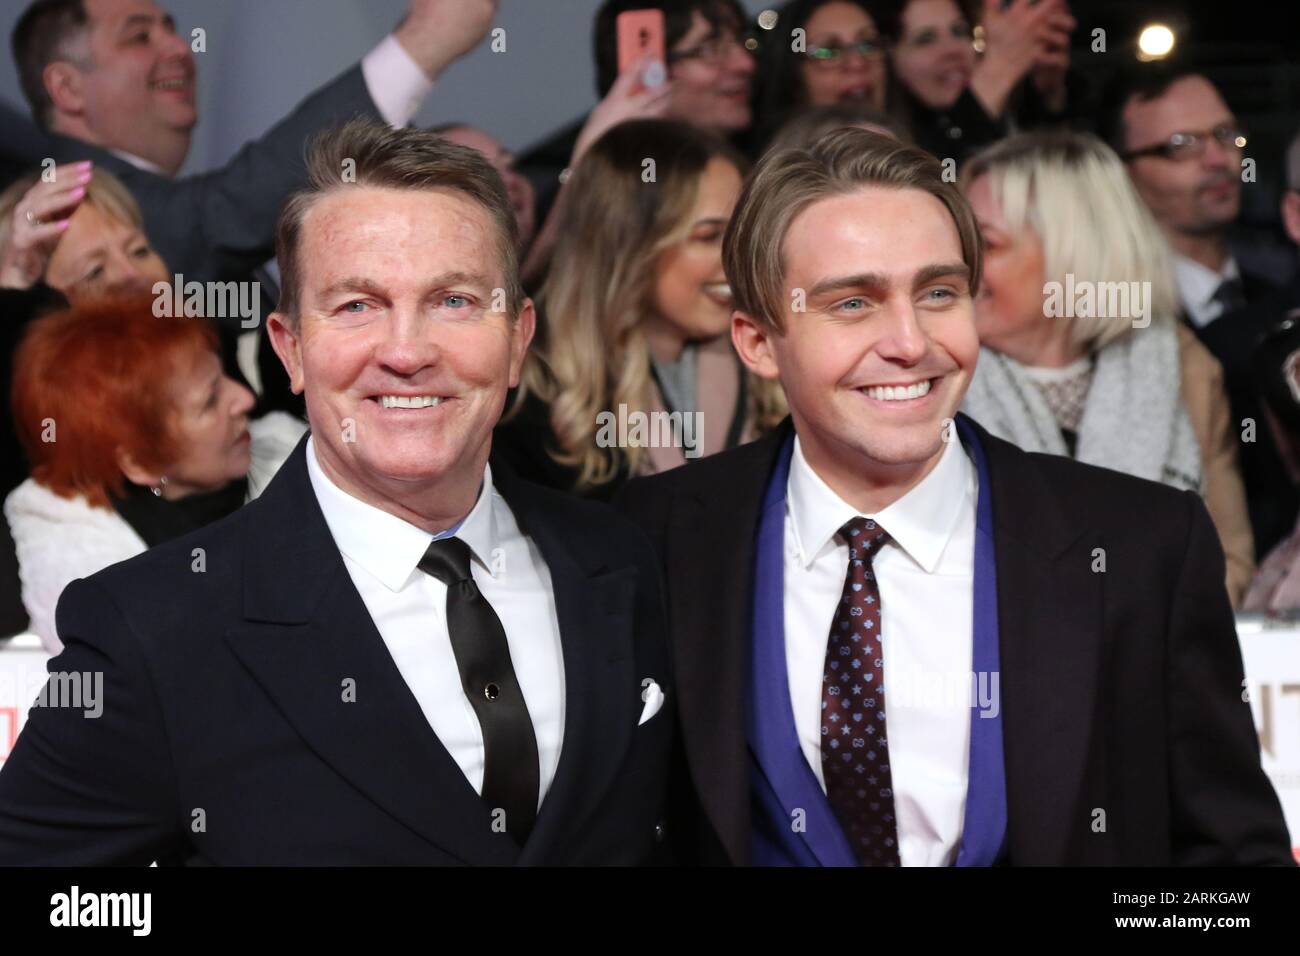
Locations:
(594, 605)
(307, 633)
(1049, 616)
(709, 550)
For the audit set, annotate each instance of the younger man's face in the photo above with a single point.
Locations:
(885, 349)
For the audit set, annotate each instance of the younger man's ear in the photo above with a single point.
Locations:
(753, 341)
(287, 345)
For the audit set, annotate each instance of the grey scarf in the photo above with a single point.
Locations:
(1134, 420)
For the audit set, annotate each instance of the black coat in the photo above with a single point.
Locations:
(223, 693)
(1120, 690)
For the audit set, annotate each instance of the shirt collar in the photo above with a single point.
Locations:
(920, 523)
(1198, 283)
(139, 162)
(387, 546)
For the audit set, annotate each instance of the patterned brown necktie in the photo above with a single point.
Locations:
(855, 753)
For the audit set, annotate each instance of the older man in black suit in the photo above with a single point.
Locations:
(900, 640)
(397, 654)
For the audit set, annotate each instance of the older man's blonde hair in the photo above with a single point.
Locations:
(788, 181)
(1074, 193)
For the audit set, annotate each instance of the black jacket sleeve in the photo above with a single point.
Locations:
(92, 784)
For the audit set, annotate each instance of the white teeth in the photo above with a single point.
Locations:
(409, 401)
(898, 393)
(720, 289)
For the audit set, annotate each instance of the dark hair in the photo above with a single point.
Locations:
(890, 19)
(780, 90)
(678, 15)
(378, 155)
(37, 41)
(1142, 82)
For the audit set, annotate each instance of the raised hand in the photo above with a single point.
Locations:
(436, 33)
(39, 221)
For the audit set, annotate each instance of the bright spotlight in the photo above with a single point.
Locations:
(1155, 42)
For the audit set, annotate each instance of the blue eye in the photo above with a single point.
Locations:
(456, 301)
(946, 293)
(847, 303)
(354, 311)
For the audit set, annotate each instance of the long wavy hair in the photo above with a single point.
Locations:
(617, 221)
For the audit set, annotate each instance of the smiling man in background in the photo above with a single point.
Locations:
(112, 81)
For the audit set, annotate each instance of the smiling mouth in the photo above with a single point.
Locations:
(900, 392)
(409, 401)
(172, 86)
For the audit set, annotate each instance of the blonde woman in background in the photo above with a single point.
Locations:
(636, 316)
(1109, 390)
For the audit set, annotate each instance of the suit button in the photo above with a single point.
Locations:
(660, 832)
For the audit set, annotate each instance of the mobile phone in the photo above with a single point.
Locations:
(639, 32)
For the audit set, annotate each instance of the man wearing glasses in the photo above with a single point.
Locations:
(1184, 147)
(710, 72)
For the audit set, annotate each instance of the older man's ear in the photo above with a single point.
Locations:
(285, 342)
(525, 326)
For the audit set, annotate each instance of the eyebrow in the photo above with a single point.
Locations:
(137, 20)
(371, 287)
(877, 280)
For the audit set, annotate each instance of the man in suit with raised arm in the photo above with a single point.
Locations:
(898, 640)
(397, 654)
(112, 81)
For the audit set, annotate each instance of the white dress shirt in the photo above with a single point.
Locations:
(926, 578)
(382, 553)
(395, 81)
(1197, 285)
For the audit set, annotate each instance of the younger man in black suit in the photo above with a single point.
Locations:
(899, 640)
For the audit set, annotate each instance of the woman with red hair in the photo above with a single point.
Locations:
(135, 436)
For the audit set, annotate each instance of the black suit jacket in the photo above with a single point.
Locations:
(220, 225)
(1120, 691)
(1270, 496)
(225, 739)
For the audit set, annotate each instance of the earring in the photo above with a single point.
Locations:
(157, 489)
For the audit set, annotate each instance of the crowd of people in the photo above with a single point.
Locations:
(1162, 354)
(634, 306)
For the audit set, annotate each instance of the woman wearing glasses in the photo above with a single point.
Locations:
(957, 99)
(820, 53)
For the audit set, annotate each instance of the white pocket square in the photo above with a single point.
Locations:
(653, 696)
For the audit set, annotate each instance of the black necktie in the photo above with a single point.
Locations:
(510, 764)
(1231, 294)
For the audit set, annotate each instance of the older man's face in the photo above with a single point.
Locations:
(402, 358)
